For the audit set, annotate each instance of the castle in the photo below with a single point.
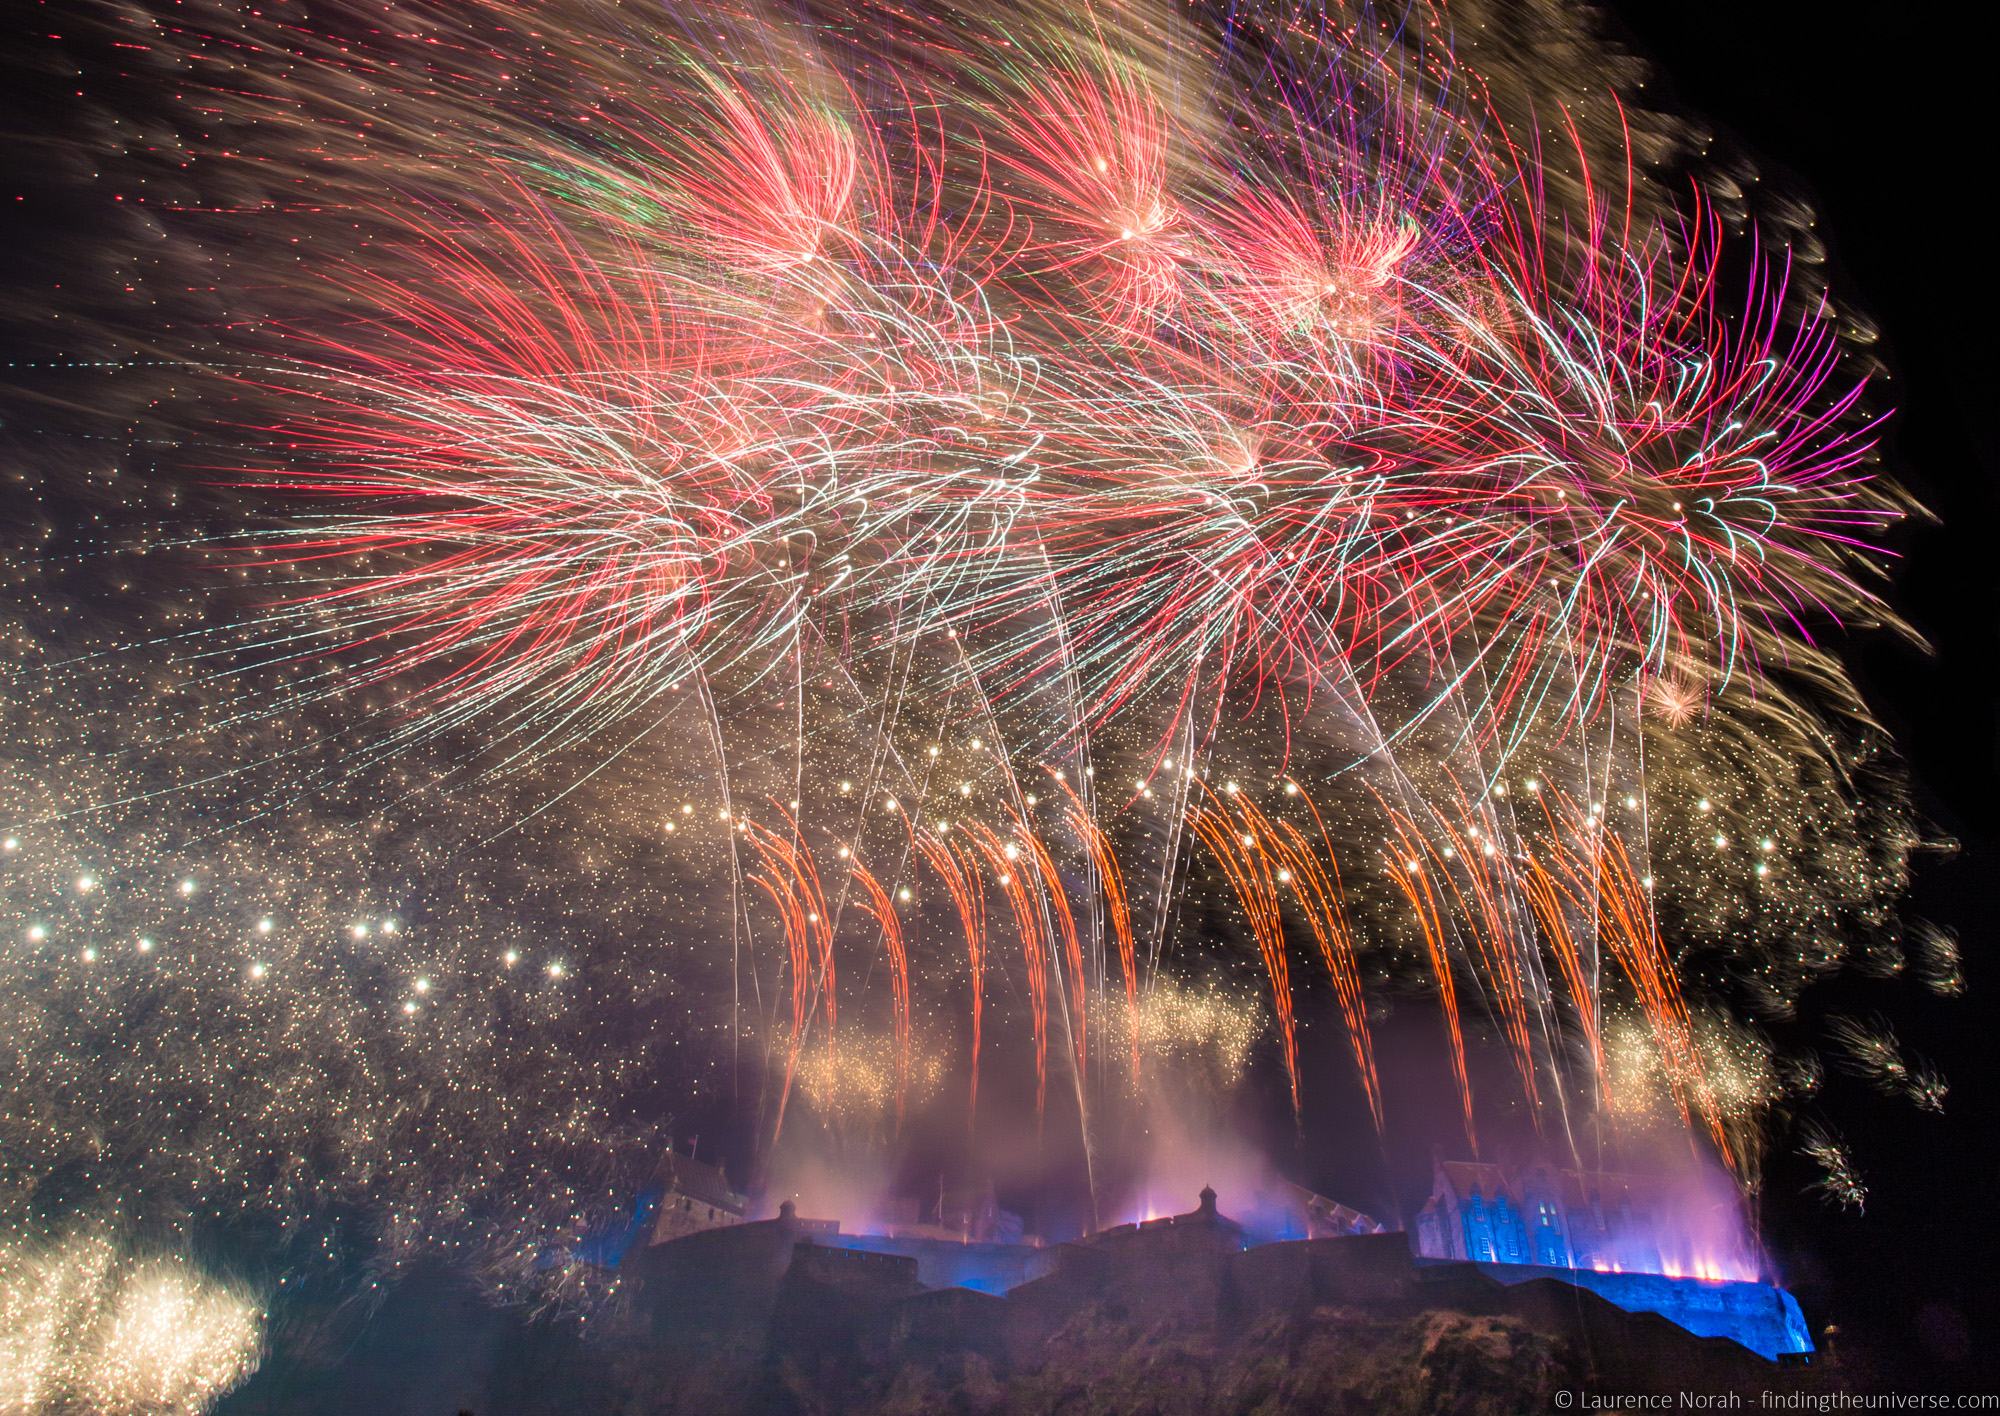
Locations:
(1565, 1219)
(694, 1196)
(807, 1282)
(1186, 1312)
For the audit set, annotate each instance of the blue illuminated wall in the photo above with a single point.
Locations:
(945, 1263)
(1761, 1317)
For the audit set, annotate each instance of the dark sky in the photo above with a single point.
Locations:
(1879, 115)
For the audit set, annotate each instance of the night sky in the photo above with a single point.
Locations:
(1869, 114)
(1876, 124)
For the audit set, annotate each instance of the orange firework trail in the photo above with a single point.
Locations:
(1626, 925)
(1634, 940)
(1004, 858)
(1112, 881)
(1469, 862)
(1406, 869)
(961, 881)
(1245, 858)
(882, 909)
(1547, 898)
(1317, 889)
(791, 880)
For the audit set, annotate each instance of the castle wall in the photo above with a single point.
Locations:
(812, 1289)
(1761, 1317)
(948, 1263)
(715, 1285)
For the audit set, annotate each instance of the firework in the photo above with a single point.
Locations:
(1938, 954)
(868, 1077)
(91, 1325)
(1838, 1181)
(1208, 1030)
(1029, 452)
(1927, 1088)
(1869, 1049)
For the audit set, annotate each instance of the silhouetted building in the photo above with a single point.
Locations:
(1179, 1313)
(694, 1196)
(1322, 1218)
(966, 1213)
(802, 1288)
